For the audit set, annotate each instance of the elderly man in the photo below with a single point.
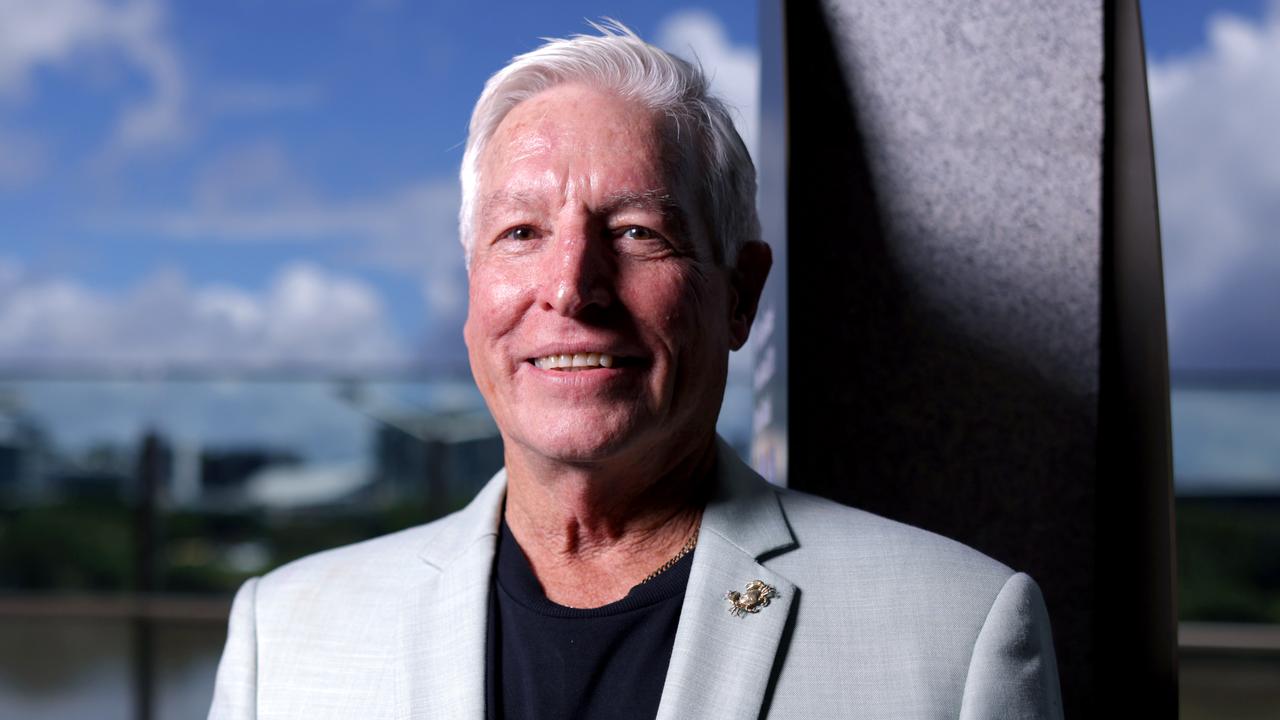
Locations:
(625, 564)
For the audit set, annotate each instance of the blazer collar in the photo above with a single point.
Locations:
(744, 509)
(445, 614)
(722, 664)
(456, 533)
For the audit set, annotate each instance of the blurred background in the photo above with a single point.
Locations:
(231, 297)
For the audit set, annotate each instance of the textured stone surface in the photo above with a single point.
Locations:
(982, 123)
(944, 243)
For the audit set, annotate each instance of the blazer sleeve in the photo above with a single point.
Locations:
(1013, 672)
(235, 691)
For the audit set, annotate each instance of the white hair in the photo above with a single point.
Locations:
(617, 60)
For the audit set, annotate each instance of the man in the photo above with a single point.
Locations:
(625, 563)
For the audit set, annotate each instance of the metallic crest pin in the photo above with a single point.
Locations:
(757, 595)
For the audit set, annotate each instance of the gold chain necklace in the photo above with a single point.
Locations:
(689, 545)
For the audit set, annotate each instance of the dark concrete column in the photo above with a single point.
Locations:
(970, 337)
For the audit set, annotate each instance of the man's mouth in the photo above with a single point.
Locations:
(576, 361)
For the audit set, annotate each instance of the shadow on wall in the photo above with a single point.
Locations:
(940, 430)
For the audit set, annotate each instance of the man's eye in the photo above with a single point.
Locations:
(638, 233)
(520, 234)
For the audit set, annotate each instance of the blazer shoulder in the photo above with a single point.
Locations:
(838, 536)
(368, 564)
(893, 616)
(384, 563)
(373, 567)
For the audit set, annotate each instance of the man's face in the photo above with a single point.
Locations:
(588, 251)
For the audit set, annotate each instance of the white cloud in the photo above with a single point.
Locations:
(253, 195)
(37, 33)
(1214, 115)
(306, 316)
(700, 37)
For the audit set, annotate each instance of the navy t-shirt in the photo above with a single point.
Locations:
(546, 660)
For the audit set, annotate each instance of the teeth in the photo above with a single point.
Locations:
(575, 361)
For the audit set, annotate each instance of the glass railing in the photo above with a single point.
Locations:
(1226, 434)
(130, 510)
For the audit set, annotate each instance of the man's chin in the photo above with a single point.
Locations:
(585, 446)
(580, 453)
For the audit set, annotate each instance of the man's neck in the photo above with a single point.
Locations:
(591, 533)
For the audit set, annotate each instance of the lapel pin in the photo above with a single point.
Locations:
(757, 595)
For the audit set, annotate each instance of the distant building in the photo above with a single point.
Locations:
(307, 487)
(225, 472)
(90, 484)
(112, 472)
(442, 458)
(25, 456)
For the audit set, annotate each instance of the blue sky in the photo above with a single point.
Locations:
(1215, 107)
(249, 184)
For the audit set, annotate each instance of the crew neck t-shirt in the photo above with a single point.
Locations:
(547, 661)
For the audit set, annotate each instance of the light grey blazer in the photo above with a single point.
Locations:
(874, 619)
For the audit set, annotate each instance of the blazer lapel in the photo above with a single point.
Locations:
(445, 618)
(721, 664)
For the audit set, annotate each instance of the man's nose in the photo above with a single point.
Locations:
(580, 274)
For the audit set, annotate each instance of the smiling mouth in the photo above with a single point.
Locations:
(576, 361)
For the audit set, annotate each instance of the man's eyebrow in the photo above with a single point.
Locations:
(495, 201)
(655, 200)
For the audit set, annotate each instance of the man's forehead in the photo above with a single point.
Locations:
(575, 118)
(573, 141)
(524, 141)
(526, 169)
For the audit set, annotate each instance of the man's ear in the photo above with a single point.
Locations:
(746, 283)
